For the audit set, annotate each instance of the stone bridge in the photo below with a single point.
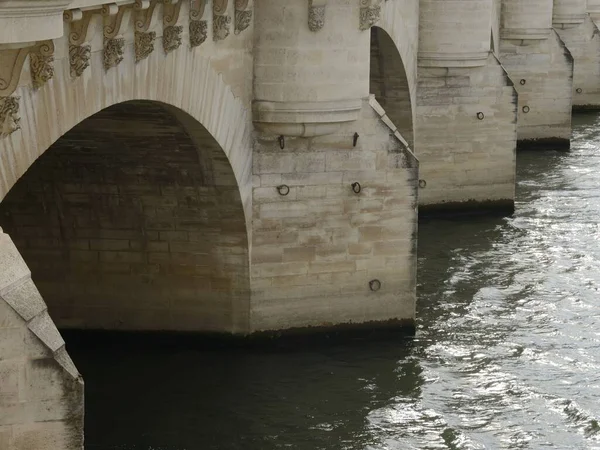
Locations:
(247, 166)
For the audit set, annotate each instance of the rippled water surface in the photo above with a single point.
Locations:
(507, 351)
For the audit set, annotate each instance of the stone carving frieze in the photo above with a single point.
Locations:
(316, 14)
(172, 38)
(369, 14)
(198, 32)
(113, 52)
(79, 54)
(243, 15)
(9, 115)
(198, 26)
(41, 59)
(79, 59)
(221, 21)
(144, 44)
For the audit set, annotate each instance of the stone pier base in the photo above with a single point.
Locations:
(334, 227)
(465, 138)
(583, 41)
(542, 72)
(41, 391)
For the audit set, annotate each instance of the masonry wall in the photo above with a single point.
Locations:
(583, 42)
(466, 163)
(542, 72)
(41, 392)
(315, 250)
(128, 224)
(389, 83)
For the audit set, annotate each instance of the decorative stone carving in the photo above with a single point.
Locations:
(144, 12)
(369, 14)
(316, 14)
(79, 22)
(10, 69)
(243, 15)
(171, 12)
(172, 38)
(41, 60)
(79, 59)
(113, 18)
(221, 21)
(221, 27)
(79, 54)
(113, 52)
(198, 27)
(144, 44)
(198, 32)
(9, 115)
(114, 47)
(197, 8)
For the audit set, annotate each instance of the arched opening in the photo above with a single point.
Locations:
(133, 221)
(389, 83)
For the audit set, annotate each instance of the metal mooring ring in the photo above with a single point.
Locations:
(579, 90)
(422, 183)
(526, 109)
(356, 187)
(375, 285)
(480, 116)
(523, 81)
(283, 189)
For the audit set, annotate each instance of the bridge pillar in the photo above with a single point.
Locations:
(334, 186)
(582, 37)
(542, 70)
(41, 405)
(465, 131)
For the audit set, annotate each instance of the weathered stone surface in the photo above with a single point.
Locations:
(25, 300)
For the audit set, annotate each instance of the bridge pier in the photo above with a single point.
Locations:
(41, 405)
(541, 68)
(465, 131)
(582, 38)
(334, 182)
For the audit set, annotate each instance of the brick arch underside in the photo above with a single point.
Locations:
(389, 82)
(133, 220)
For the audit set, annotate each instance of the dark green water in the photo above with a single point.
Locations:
(506, 355)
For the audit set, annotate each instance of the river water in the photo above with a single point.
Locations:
(506, 354)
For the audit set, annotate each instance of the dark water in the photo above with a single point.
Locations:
(507, 352)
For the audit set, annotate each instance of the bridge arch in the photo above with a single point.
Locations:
(393, 80)
(195, 108)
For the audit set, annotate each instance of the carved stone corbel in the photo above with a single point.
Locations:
(10, 69)
(171, 31)
(221, 21)
(41, 59)
(243, 15)
(9, 115)
(370, 11)
(79, 54)
(114, 47)
(198, 27)
(144, 39)
(316, 14)
(144, 12)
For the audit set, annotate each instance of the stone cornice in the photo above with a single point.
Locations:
(31, 20)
